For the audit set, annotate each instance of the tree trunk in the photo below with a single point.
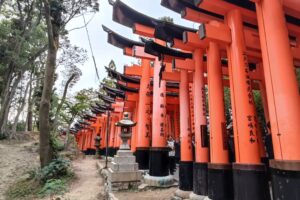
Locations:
(1, 4)
(29, 110)
(46, 151)
(6, 103)
(62, 101)
(21, 106)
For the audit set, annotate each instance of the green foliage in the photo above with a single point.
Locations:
(57, 169)
(227, 103)
(24, 189)
(167, 19)
(259, 108)
(56, 144)
(53, 186)
(52, 179)
(3, 136)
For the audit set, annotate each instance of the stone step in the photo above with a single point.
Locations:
(117, 176)
(125, 160)
(124, 153)
(124, 167)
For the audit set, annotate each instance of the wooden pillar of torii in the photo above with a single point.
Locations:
(143, 136)
(284, 104)
(218, 136)
(186, 158)
(278, 54)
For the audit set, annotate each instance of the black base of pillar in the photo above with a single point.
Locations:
(285, 179)
(112, 151)
(186, 175)
(142, 157)
(91, 151)
(177, 152)
(200, 183)
(220, 182)
(159, 161)
(102, 152)
(250, 182)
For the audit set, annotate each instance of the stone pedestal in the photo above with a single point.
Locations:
(123, 173)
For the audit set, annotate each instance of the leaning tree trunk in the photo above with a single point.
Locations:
(21, 107)
(46, 151)
(6, 103)
(29, 110)
(62, 101)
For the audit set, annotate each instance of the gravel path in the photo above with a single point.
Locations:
(15, 160)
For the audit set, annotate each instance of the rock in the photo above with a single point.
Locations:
(142, 186)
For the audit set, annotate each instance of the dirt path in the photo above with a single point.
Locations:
(157, 194)
(88, 184)
(15, 160)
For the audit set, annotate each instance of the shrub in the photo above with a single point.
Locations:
(53, 186)
(58, 168)
(3, 136)
(23, 189)
(56, 144)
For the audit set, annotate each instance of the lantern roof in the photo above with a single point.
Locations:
(126, 121)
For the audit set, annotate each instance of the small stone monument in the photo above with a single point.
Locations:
(124, 173)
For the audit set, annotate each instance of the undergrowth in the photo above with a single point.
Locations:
(51, 180)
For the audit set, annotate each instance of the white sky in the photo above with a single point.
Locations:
(103, 51)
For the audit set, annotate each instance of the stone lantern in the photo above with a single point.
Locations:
(126, 130)
(123, 173)
(97, 143)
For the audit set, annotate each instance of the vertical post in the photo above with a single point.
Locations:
(106, 137)
(249, 174)
(158, 165)
(186, 157)
(143, 129)
(283, 98)
(268, 136)
(201, 136)
(219, 170)
(177, 134)
(134, 135)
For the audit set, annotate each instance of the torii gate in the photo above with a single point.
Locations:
(143, 140)
(205, 15)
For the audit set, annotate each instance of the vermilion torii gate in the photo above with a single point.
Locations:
(286, 34)
(238, 45)
(144, 87)
(146, 31)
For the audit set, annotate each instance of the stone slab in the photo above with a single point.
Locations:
(119, 186)
(182, 194)
(125, 160)
(124, 153)
(123, 176)
(194, 196)
(128, 167)
(164, 181)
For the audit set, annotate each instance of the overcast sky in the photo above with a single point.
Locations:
(103, 51)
